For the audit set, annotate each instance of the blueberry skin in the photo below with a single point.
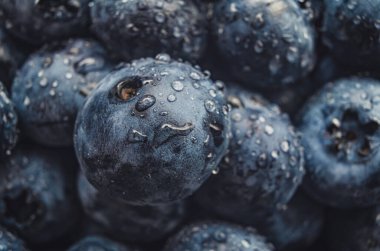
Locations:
(91, 243)
(152, 132)
(353, 230)
(294, 226)
(52, 85)
(8, 123)
(11, 57)
(340, 136)
(217, 236)
(266, 53)
(351, 30)
(126, 222)
(41, 21)
(9, 241)
(263, 166)
(134, 29)
(38, 193)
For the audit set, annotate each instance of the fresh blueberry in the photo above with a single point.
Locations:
(53, 84)
(38, 193)
(263, 166)
(340, 127)
(8, 123)
(353, 230)
(136, 28)
(294, 226)
(99, 243)
(11, 57)
(39, 21)
(153, 131)
(126, 222)
(351, 30)
(8, 241)
(217, 236)
(269, 43)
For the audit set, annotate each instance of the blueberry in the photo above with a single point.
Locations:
(11, 57)
(39, 21)
(353, 230)
(8, 241)
(53, 84)
(294, 226)
(92, 243)
(152, 132)
(125, 222)
(136, 28)
(265, 52)
(38, 193)
(217, 236)
(340, 135)
(312, 9)
(264, 163)
(351, 30)
(8, 123)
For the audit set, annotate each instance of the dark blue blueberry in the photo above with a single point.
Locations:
(10, 242)
(312, 9)
(294, 226)
(265, 43)
(126, 222)
(53, 84)
(351, 30)
(11, 57)
(39, 21)
(353, 230)
(8, 123)
(263, 166)
(217, 236)
(38, 193)
(99, 243)
(341, 135)
(135, 28)
(153, 131)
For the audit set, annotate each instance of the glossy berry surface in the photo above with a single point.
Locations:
(340, 127)
(37, 193)
(127, 222)
(266, 53)
(351, 30)
(8, 123)
(94, 243)
(135, 28)
(52, 85)
(217, 236)
(264, 163)
(152, 132)
(39, 21)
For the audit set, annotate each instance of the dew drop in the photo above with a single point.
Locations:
(145, 102)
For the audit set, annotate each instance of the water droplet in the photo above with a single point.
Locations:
(160, 18)
(69, 75)
(43, 82)
(26, 101)
(269, 130)
(177, 86)
(259, 47)
(210, 105)
(145, 102)
(195, 76)
(292, 54)
(215, 171)
(258, 21)
(163, 57)
(284, 146)
(135, 136)
(172, 98)
(169, 131)
(212, 93)
(275, 65)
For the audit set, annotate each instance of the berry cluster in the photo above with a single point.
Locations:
(114, 137)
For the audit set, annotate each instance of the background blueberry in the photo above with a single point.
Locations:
(39, 21)
(269, 42)
(92, 243)
(263, 166)
(38, 193)
(125, 222)
(134, 29)
(217, 236)
(340, 135)
(152, 132)
(351, 30)
(53, 84)
(8, 123)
